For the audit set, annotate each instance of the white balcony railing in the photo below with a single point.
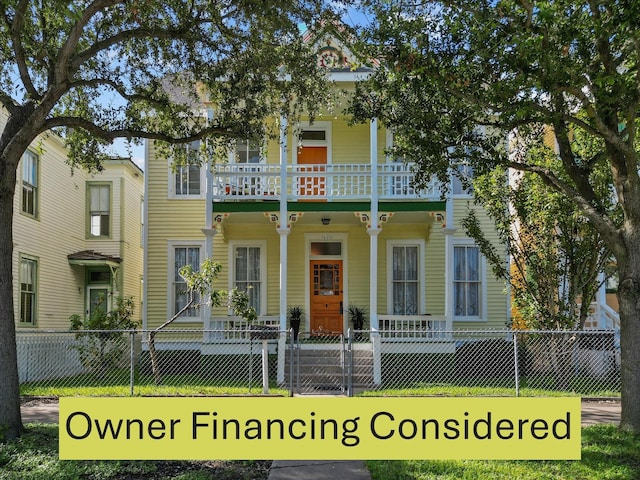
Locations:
(318, 182)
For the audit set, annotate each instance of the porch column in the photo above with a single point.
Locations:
(374, 231)
(209, 232)
(374, 228)
(448, 261)
(283, 230)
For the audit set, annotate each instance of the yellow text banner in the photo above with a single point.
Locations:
(316, 428)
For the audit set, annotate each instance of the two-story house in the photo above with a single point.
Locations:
(77, 243)
(323, 219)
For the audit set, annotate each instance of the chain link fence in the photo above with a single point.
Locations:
(197, 362)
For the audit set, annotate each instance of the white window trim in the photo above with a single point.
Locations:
(421, 272)
(172, 245)
(171, 177)
(468, 242)
(263, 268)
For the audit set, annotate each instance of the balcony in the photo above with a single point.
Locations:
(344, 182)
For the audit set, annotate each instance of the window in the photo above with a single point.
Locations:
(460, 181)
(99, 210)
(188, 178)
(405, 281)
(30, 183)
(182, 256)
(248, 273)
(28, 290)
(466, 281)
(248, 151)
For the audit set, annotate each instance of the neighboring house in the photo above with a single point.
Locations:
(321, 219)
(77, 237)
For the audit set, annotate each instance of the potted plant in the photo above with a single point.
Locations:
(294, 315)
(357, 318)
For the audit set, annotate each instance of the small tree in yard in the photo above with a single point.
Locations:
(92, 71)
(101, 341)
(200, 291)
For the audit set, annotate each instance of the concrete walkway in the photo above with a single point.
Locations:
(593, 412)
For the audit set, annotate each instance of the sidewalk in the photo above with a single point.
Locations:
(594, 411)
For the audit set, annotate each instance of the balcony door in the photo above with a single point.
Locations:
(326, 314)
(312, 160)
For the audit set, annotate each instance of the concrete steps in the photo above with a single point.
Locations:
(325, 369)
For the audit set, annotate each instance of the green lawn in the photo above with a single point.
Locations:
(35, 457)
(607, 453)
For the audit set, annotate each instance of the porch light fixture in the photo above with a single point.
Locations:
(325, 220)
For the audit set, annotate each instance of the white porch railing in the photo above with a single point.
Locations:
(413, 326)
(235, 328)
(318, 182)
(603, 317)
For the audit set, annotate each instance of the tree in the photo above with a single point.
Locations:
(556, 256)
(102, 350)
(200, 291)
(482, 69)
(92, 71)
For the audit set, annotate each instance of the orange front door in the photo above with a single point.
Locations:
(326, 297)
(313, 159)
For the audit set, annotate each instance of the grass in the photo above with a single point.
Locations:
(117, 384)
(35, 457)
(607, 454)
(448, 390)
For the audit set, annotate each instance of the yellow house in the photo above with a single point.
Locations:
(323, 219)
(77, 237)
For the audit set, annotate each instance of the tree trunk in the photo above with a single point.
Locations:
(629, 298)
(10, 418)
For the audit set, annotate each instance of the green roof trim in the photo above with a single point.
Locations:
(413, 206)
(248, 207)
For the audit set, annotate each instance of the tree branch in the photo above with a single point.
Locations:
(601, 221)
(110, 135)
(16, 29)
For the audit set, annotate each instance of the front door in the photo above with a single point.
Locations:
(326, 297)
(97, 298)
(313, 159)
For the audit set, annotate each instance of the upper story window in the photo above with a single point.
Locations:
(461, 179)
(30, 183)
(248, 151)
(99, 210)
(187, 178)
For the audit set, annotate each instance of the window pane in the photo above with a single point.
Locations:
(27, 291)
(248, 274)
(184, 256)
(467, 281)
